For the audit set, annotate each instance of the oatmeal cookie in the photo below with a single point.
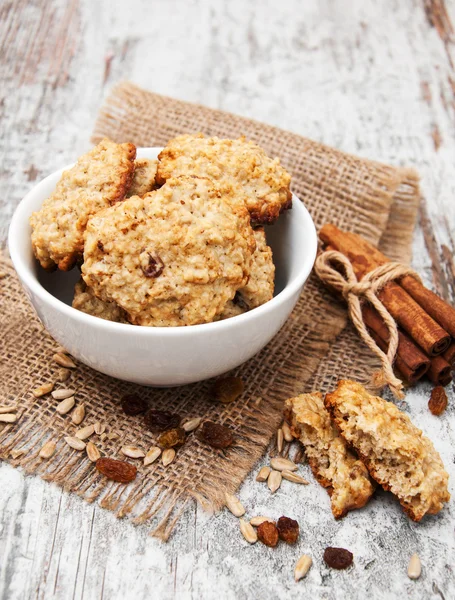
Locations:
(173, 257)
(264, 181)
(144, 177)
(396, 453)
(261, 283)
(86, 301)
(231, 309)
(333, 464)
(98, 179)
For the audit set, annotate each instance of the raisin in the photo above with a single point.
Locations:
(438, 401)
(268, 534)
(215, 435)
(151, 264)
(338, 558)
(239, 301)
(117, 470)
(228, 389)
(133, 405)
(288, 530)
(171, 438)
(161, 420)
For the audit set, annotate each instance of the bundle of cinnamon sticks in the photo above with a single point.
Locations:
(426, 323)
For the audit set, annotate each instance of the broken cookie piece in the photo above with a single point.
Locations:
(333, 464)
(396, 453)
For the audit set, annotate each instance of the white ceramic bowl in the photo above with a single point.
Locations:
(162, 356)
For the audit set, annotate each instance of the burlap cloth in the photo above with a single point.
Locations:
(377, 201)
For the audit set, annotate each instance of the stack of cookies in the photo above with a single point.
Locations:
(168, 242)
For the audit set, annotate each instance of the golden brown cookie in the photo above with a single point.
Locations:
(261, 282)
(232, 308)
(396, 453)
(333, 464)
(98, 179)
(265, 182)
(86, 301)
(144, 177)
(174, 257)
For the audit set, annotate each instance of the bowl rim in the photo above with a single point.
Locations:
(30, 281)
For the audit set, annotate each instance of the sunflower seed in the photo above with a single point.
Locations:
(256, 521)
(78, 414)
(100, 428)
(248, 532)
(132, 452)
(85, 432)
(263, 474)
(65, 406)
(43, 389)
(62, 394)
(63, 375)
(279, 440)
(287, 432)
(92, 452)
(302, 567)
(299, 456)
(47, 450)
(152, 455)
(415, 567)
(63, 360)
(282, 464)
(234, 505)
(274, 481)
(75, 443)
(285, 452)
(192, 424)
(7, 409)
(8, 418)
(168, 456)
(294, 477)
(2, 274)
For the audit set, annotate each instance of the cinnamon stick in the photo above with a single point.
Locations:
(449, 355)
(409, 360)
(409, 315)
(440, 372)
(406, 373)
(435, 306)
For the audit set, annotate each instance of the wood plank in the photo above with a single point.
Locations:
(376, 79)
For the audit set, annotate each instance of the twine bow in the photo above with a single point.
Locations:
(353, 291)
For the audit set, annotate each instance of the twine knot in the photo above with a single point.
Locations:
(354, 291)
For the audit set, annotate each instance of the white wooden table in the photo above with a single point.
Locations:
(373, 78)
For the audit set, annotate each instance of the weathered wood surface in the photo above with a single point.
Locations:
(373, 78)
